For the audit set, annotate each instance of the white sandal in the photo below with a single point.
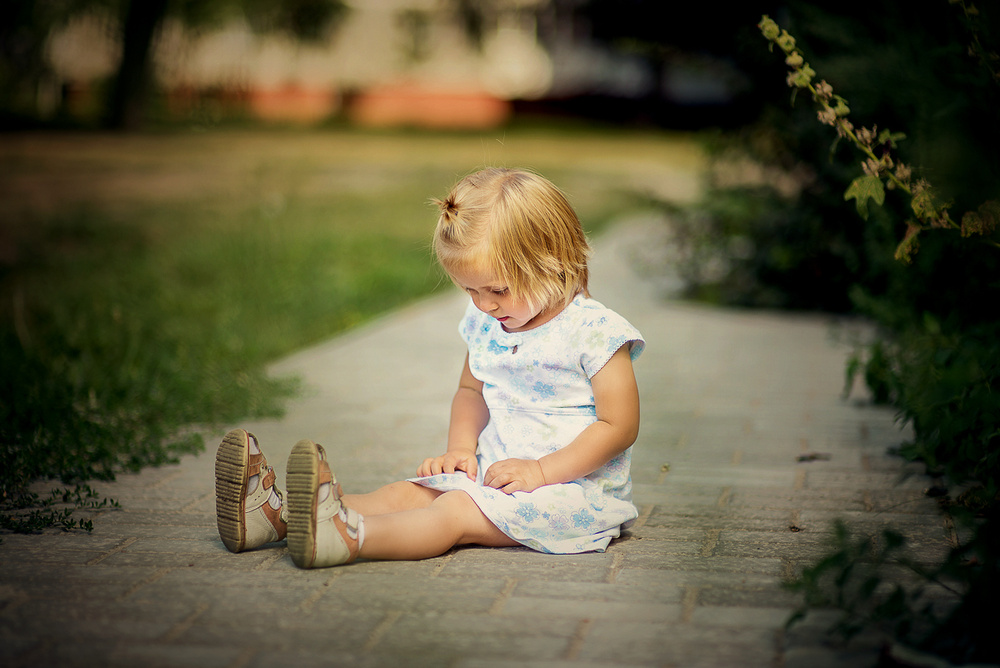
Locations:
(249, 507)
(321, 530)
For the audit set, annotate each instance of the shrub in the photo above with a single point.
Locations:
(927, 277)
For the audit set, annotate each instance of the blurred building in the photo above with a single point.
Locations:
(388, 62)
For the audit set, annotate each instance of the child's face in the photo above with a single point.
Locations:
(494, 299)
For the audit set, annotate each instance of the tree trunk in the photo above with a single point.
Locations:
(127, 105)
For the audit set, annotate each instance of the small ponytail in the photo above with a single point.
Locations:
(449, 217)
(448, 206)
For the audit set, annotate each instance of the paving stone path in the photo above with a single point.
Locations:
(731, 400)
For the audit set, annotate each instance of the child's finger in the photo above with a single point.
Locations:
(497, 480)
(512, 486)
(424, 469)
(489, 478)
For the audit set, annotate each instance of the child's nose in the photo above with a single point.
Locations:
(486, 304)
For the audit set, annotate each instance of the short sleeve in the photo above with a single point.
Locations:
(469, 325)
(607, 333)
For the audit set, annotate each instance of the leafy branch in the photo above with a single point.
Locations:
(854, 578)
(28, 512)
(881, 171)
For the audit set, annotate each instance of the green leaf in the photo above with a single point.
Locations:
(910, 243)
(982, 221)
(863, 189)
(890, 137)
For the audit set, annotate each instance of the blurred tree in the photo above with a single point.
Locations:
(24, 29)
(25, 26)
(307, 20)
(141, 20)
(660, 33)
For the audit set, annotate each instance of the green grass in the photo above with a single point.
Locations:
(120, 333)
(147, 281)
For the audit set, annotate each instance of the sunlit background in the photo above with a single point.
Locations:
(424, 63)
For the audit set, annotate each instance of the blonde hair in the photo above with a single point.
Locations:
(521, 228)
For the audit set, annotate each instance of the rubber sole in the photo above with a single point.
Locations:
(303, 483)
(231, 463)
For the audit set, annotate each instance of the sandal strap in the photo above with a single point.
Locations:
(267, 482)
(351, 519)
(256, 462)
(348, 522)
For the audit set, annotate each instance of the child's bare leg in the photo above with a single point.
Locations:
(392, 498)
(453, 518)
(324, 531)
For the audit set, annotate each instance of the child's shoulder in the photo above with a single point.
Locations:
(611, 329)
(589, 310)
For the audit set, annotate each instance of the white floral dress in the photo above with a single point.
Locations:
(537, 387)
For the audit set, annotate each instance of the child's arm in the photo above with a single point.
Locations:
(469, 416)
(616, 398)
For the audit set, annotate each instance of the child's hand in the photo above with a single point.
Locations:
(515, 475)
(450, 462)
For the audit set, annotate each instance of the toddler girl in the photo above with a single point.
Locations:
(542, 423)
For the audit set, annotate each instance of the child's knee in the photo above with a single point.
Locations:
(457, 508)
(455, 501)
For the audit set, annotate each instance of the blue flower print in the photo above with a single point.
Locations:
(539, 534)
(582, 519)
(616, 342)
(544, 390)
(527, 511)
(496, 348)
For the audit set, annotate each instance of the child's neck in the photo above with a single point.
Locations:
(543, 317)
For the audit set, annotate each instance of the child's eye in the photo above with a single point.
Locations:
(500, 292)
